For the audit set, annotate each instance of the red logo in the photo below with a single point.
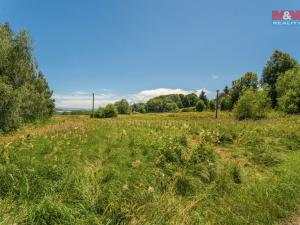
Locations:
(286, 15)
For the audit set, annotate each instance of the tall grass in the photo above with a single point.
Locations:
(185, 168)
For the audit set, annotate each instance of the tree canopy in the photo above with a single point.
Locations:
(279, 63)
(288, 91)
(25, 94)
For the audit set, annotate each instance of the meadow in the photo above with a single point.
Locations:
(168, 168)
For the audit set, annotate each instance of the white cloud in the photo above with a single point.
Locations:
(82, 99)
(145, 95)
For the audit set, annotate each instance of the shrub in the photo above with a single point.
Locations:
(200, 106)
(108, 111)
(288, 90)
(122, 106)
(252, 105)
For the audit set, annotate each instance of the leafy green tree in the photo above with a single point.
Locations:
(203, 97)
(26, 96)
(139, 107)
(253, 104)
(9, 108)
(155, 105)
(171, 107)
(190, 100)
(122, 106)
(288, 91)
(225, 103)
(279, 63)
(226, 90)
(212, 105)
(248, 81)
(200, 106)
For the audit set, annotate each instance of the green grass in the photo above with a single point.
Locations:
(181, 168)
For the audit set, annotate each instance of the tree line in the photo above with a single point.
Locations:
(24, 92)
(248, 97)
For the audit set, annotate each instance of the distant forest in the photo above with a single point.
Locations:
(248, 97)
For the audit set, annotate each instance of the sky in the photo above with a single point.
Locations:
(138, 49)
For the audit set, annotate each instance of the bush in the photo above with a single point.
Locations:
(252, 105)
(288, 90)
(108, 111)
(200, 106)
(122, 106)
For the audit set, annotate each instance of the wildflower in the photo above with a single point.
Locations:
(151, 189)
(136, 163)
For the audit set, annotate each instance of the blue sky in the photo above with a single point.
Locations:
(141, 48)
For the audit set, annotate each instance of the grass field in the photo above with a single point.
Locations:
(183, 168)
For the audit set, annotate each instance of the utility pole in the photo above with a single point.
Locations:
(217, 103)
(93, 105)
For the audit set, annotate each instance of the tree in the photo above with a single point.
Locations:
(203, 97)
(26, 96)
(190, 100)
(288, 91)
(155, 105)
(122, 106)
(109, 111)
(278, 64)
(226, 90)
(225, 103)
(212, 105)
(139, 107)
(248, 81)
(253, 104)
(171, 107)
(9, 108)
(200, 106)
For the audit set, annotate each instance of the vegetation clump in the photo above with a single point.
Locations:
(288, 91)
(24, 92)
(252, 105)
(200, 106)
(109, 111)
(122, 106)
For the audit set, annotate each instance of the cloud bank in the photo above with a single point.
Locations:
(83, 99)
